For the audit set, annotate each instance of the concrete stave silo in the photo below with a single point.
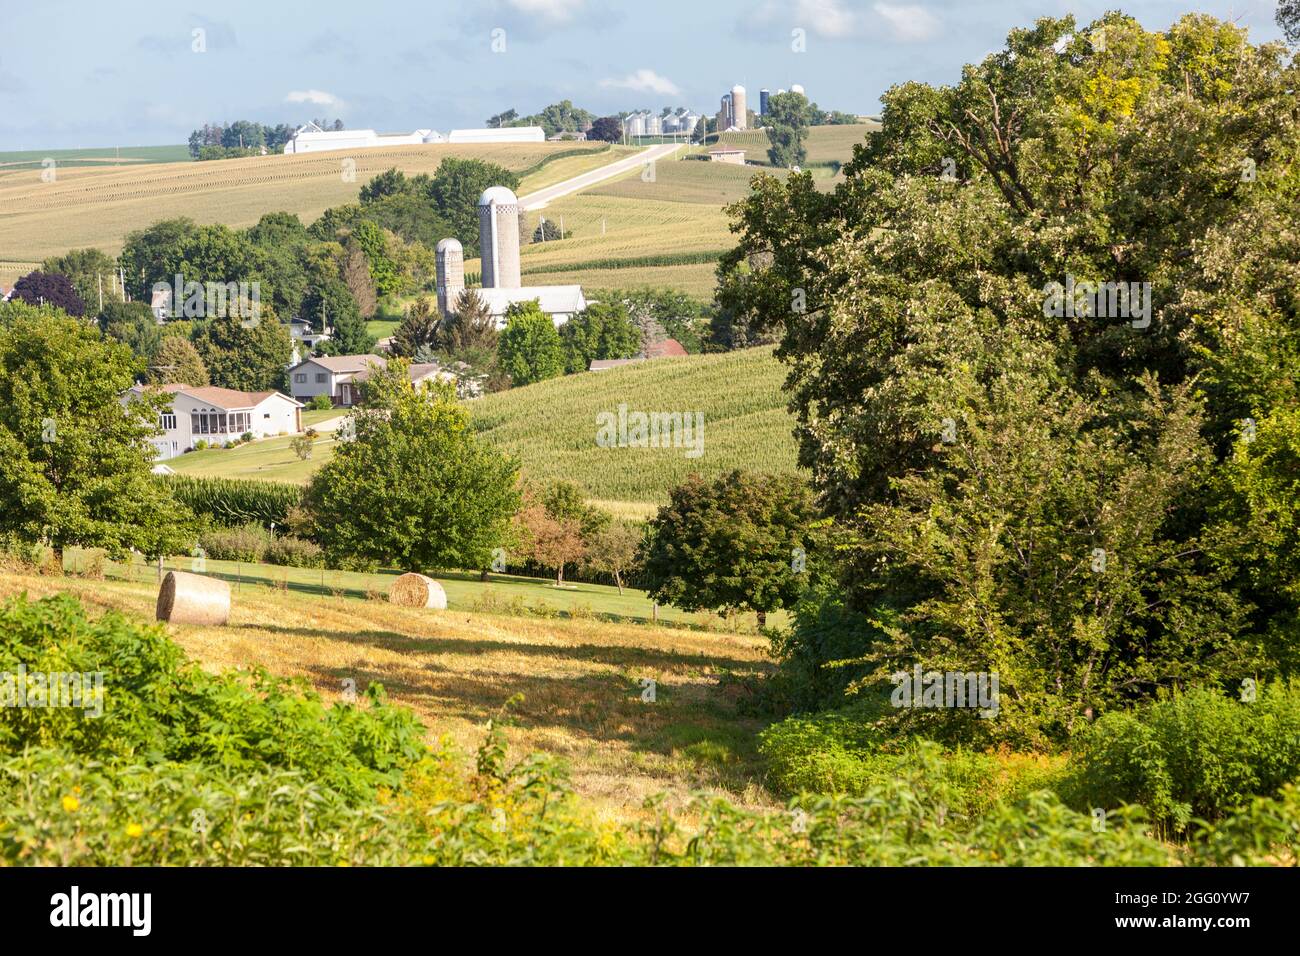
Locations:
(450, 257)
(498, 230)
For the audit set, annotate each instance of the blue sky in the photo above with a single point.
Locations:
(94, 73)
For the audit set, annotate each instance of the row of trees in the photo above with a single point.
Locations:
(245, 138)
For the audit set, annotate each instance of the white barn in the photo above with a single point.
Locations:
(218, 416)
(503, 134)
(312, 139)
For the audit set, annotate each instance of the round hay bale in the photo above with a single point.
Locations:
(415, 590)
(187, 598)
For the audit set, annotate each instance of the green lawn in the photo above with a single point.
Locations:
(95, 156)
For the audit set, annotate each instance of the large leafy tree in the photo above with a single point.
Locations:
(731, 543)
(530, 349)
(600, 331)
(418, 328)
(91, 272)
(177, 361)
(248, 357)
(133, 324)
(75, 462)
(456, 188)
(49, 288)
(329, 306)
(910, 298)
(787, 119)
(148, 254)
(415, 488)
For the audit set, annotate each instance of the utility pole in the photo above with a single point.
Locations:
(99, 282)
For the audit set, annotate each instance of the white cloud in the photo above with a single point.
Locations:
(908, 22)
(559, 11)
(644, 81)
(826, 18)
(315, 97)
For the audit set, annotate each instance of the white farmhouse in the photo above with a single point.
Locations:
(340, 376)
(218, 415)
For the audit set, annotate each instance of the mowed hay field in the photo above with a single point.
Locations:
(98, 206)
(581, 680)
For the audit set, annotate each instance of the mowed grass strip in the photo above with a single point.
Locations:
(99, 206)
(581, 680)
(697, 280)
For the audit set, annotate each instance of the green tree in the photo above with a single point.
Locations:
(731, 544)
(615, 550)
(177, 361)
(415, 488)
(91, 272)
(132, 324)
(600, 331)
(75, 462)
(149, 254)
(247, 358)
(383, 273)
(330, 307)
(530, 349)
(456, 188)
(418, 328)
(787, 119)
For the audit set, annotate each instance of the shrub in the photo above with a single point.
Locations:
(294, 552)
(248, 542)
(320, 403)
(161, 709)
(1195, 754)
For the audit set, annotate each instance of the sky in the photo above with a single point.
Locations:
(83, 73)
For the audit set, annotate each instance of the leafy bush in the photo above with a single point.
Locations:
(851, 751)
(294, 552)
(320, 403)
(1195, 754)
(248, 542)
(156, 707)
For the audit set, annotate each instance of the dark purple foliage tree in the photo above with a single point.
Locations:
(50, 288)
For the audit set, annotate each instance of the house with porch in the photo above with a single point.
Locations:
(218, 416)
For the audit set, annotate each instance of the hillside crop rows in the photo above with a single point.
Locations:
(98, 207)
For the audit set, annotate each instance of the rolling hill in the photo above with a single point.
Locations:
(551, 427)
(98, 206)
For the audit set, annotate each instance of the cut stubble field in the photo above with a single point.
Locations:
(581, 680)
(99, 206)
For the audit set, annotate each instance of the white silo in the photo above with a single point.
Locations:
(796, 88)
(451, 274)
(498, 237)
(738, 111)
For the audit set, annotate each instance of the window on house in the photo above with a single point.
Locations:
(167, 421)
(300, 376)
(322, 377)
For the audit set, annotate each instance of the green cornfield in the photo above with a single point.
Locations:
(552, 426)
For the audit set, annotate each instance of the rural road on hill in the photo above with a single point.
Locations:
(539, 199)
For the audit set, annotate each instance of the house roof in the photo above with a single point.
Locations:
(601, 365)
(565, 299)
(224, 398)
(344, 363)
(668, 348)
(417, 372)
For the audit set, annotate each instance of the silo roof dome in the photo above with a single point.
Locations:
(449, 244)
(737, 88)
(497, 194)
